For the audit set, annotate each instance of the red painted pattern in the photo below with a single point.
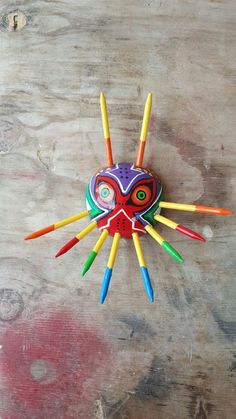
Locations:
(74, 360)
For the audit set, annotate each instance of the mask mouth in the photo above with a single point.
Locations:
(122, 223)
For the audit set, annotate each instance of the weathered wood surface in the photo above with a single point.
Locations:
(62, 354)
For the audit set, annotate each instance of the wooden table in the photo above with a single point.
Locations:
(62, 354)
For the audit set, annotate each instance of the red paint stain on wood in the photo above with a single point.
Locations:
(19, 175)
(71, 361)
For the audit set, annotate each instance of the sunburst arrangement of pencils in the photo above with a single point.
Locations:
(124, 200)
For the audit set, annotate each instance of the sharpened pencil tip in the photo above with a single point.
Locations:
(41, 232)
(179, 258)
(226, 212)
(88, 262)
(67, 247)
(151, 296)
(60, 253)
(84, 270)
(172, 252)
(149, 97)
(147, 283)
(30, 236)
(189, 233)
(105, 284)
(213, 210)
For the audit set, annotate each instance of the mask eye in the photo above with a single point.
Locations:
(105, 195)
(141, 195)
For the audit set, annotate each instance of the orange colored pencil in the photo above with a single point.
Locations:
(195, 208)
(57, 225)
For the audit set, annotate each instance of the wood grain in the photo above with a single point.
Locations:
(172, 359)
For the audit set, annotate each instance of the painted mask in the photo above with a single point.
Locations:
(123, 198)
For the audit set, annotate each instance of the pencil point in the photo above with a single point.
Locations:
(102, 99)
(67, 247)
(41, 232)
(105, 284)
(31, 236)
(202, 239)
(213, 210)
(147, 283)
(102, 299)
(226, 212)
(189, 233)
(83, 271)
(87, 265)
(172, 252)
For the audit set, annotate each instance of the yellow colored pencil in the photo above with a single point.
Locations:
(109, 268)
(143, 267)
(144, 130)
(57, 225)
(77, 238)
(93, 254)
(178, 227)
(163, 243)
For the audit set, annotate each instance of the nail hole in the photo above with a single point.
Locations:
(13, 21)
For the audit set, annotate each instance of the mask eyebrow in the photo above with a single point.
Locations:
(148, 184)
(103, 181)
(145, 182)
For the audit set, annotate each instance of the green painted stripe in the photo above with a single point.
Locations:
(88, 263)
(149, 215)
(172, 252)
(93, 209)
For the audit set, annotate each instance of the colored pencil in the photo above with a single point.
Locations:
(195, 208)
(76, 239)
(143, 267)
(179, 227)
(144, 130)
(109, 268)
(57, 225)
(94, 252)
(172, 252)
(106, 129)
